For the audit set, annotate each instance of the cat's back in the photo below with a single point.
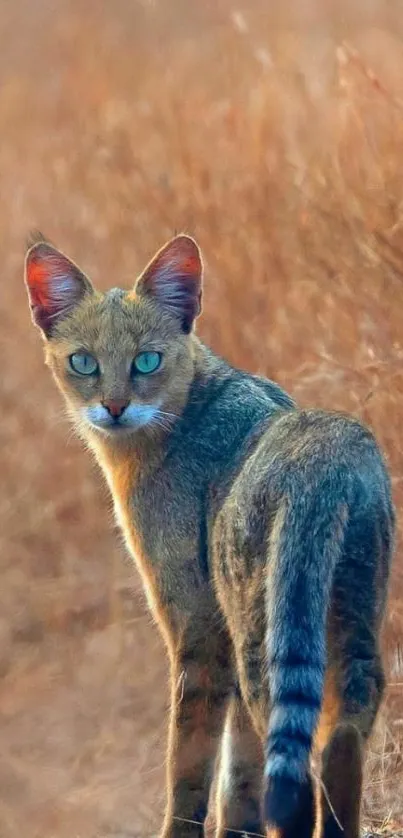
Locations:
(308, 461)
(309, 450)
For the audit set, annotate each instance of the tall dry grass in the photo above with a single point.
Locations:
(279, 146)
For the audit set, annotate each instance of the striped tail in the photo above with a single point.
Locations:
(306, 542)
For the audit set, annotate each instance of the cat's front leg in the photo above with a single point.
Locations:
(200, 685)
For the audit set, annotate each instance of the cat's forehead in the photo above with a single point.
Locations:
(115, 320)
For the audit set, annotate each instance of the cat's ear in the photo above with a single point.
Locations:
(174, 280)
(55, 285)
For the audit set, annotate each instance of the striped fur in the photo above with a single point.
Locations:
(304, 561)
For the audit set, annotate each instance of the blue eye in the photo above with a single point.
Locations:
(83, 363)
(146, 362)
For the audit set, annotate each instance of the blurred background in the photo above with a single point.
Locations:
(274, 134)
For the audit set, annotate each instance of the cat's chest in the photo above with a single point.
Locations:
(121, 479)
(163, 520)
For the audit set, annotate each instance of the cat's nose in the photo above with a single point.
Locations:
(115, 406)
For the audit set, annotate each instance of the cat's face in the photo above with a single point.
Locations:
(123, 359)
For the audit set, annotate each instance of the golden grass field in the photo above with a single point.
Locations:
(275, 136)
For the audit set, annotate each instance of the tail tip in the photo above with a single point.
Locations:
(284, 797)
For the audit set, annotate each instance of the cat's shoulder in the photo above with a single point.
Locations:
(256, 388)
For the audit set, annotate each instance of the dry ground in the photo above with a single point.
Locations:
(281, 149)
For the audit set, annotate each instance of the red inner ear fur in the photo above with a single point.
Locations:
(181, 256)
(55, 284)
(38, 282)
(174, 279)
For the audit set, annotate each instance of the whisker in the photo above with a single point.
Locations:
(164, 420)
(159, 423)
(173, 416)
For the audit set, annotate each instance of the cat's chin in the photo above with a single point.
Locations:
(113, 431)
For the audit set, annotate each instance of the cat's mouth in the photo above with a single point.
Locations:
(115, 428)
(132, 418)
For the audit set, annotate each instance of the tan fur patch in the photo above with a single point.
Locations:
(330, 713)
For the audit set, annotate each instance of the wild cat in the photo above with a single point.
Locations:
(263, 534)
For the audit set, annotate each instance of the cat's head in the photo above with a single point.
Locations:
(123, 359)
